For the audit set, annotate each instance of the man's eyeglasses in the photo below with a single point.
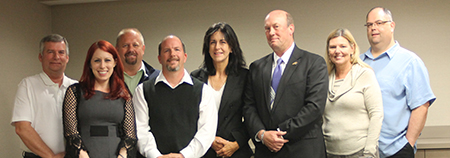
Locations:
(376, 23)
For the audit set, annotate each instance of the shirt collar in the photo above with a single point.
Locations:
(286, 55)
(143, 69)
(186, 79)
(390, 52)
(140, 69)
(49, 82)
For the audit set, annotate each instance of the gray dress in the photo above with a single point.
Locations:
(99, 125)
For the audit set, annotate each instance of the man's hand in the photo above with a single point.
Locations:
(60, 155)
(228, 148)
(274, 140)
(172, 155)
(33, 141)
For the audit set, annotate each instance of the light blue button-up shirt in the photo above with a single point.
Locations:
(404, 85)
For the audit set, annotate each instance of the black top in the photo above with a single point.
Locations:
(230, 125)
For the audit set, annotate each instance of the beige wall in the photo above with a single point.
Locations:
(22, 23)
(421, 27)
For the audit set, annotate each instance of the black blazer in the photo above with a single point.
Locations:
(230, 125)
(298, 106)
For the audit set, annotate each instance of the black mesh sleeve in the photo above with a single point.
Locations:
(129, 138)
(70, 120)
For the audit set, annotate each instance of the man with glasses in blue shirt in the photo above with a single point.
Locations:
(404, 84)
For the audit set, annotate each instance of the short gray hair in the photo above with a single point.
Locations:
(289, 19)
(53, 38)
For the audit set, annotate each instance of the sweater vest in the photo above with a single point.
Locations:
(173, 113)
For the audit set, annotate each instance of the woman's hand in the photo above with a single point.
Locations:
(227, 148)
(83, 154)
(122, 153)
(217, 144)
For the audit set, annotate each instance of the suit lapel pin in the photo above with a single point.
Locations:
(294, 63)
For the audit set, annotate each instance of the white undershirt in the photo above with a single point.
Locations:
(217, 94)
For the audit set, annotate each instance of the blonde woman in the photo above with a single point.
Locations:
(354, 109)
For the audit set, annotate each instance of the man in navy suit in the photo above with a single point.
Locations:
(285, 96)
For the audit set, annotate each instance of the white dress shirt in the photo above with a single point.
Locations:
(285, 57)
(206, 125)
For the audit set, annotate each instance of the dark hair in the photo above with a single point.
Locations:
(170, 36)
(116, 81)
(236, 59)
(53, 38)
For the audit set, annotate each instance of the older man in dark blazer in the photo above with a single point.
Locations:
(285, 96)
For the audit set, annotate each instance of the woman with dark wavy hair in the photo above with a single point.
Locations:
(98, 113)
(224, 70)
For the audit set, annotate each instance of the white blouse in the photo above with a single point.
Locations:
(217, 94)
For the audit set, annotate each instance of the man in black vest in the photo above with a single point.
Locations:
(175, 114)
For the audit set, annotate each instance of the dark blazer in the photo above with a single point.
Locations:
(230, 125)
(298, 106)
(150, 71)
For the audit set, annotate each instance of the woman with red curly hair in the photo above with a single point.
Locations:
(98, 113)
